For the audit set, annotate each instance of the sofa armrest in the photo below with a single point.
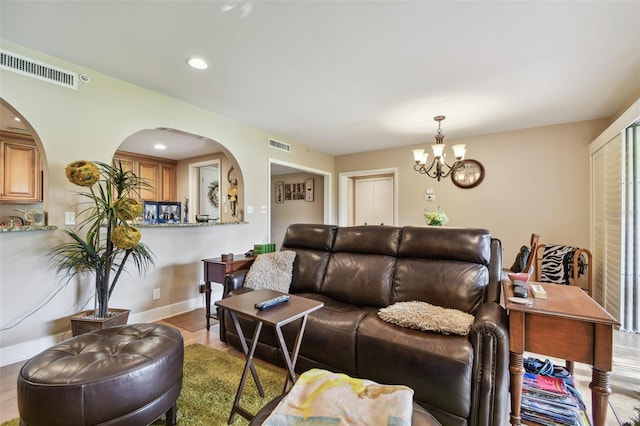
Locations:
(489, 336)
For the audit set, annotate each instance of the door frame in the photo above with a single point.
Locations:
(328, 207)
(343, 192)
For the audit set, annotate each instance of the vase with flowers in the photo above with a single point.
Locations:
(105, 238)
(436, 218)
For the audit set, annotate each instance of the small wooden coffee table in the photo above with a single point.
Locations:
(569, 325)
(276, 316)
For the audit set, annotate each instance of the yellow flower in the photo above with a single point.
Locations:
(129, 208)
(82, 173)
(125, 237)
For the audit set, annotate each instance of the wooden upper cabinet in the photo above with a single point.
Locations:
(21, 177)
(149, 171)
(168, 183)
(159, 173)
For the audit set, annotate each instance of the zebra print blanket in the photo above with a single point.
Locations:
(557, 264)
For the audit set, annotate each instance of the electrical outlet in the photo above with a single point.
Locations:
(69, 218)
(156, 293)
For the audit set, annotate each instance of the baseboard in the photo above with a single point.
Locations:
(25, 350)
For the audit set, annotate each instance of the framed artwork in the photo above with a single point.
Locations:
(468, 175)
(279, 192)
(169, 212)
(150, 212)
(308, 189)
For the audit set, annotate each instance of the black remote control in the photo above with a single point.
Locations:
(520, 289)
(272, 302)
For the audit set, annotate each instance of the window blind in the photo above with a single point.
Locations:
(630, 280)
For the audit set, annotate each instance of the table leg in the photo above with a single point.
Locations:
(207, 302)
(290, 360)
(600, 391)
(516, 370)
(248, 366)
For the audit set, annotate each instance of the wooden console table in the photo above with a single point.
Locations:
(569, 325)
(215, 269)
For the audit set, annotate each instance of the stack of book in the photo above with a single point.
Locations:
(263, 248)
(548, 401)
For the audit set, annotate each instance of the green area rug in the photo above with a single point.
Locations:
(211, 379)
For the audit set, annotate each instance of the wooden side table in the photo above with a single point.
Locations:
(277, 317)
(569, 325)
(215, 269)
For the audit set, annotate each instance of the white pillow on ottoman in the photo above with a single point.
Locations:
(271, 271)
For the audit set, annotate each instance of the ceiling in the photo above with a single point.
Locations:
(351, 76)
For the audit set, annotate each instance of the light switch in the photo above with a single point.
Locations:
(263, 209)
(249, 209)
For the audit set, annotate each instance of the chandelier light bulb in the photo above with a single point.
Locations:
(439, 168)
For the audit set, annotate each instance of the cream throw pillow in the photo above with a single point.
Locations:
(426, 317)
(271, 271)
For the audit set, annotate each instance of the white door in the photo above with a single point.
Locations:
(373, 200)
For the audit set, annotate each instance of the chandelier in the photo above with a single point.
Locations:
(439, 168)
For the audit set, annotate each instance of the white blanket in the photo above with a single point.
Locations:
(320, 397)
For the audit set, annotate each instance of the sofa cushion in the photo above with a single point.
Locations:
(359, 279)
(330, 334)
(462, 244)
(382, 240)
(437, 367)
(448, 283)
(426, 317)
(312, 244)
(443, 266)
(271, 271)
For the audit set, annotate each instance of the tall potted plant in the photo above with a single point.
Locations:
(104, 239)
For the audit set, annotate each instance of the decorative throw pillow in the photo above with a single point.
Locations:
(426, 317)
(272, 271)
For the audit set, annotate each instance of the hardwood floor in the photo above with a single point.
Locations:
(625, 377)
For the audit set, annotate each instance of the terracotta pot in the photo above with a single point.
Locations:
(83, 322)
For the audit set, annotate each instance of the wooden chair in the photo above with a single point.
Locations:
(535, 238)
(582, 259)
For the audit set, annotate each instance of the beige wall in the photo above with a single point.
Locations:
(90, 123)
(295, 211)
(536, 181)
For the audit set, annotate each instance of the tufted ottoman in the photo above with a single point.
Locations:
(126, 375)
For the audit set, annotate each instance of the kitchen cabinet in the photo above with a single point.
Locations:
(159, 173)
(21, 176)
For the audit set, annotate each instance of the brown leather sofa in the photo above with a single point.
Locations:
(461, 380)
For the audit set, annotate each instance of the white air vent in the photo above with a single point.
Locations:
(279, 145)
(30, 67)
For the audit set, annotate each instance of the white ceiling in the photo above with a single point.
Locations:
(352, 76)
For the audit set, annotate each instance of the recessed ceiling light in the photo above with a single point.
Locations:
(197, 63)
(17, 118)
(160, 146)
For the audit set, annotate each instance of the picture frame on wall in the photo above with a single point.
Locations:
(150, 212)
(169, 212)
(308, 192)
(279, 192)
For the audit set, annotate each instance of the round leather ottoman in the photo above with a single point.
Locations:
(420, 416)
(126, 375)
